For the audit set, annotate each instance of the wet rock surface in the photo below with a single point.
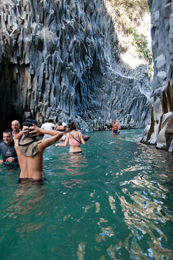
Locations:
(60, 60)
(159, 132)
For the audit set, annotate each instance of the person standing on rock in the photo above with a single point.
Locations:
(115, 127)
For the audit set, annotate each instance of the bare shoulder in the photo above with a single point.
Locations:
(44, 143)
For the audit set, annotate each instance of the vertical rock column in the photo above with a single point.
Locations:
(162, 86)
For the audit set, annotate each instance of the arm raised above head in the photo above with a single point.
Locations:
(36, 131)
(18, 136)
(55, 136)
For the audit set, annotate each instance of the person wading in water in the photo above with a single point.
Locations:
(115, 127)
(30, 151)
(74, 139)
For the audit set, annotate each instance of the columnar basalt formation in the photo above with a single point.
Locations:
(60, 59)
(160, 131)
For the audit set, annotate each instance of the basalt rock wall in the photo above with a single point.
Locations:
(160, 131)
(60, 59)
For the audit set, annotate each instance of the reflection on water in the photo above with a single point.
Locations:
(113, 201)
(26, 199)
(73, 182)
(75, 163)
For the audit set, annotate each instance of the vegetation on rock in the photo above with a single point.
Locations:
(133, 18)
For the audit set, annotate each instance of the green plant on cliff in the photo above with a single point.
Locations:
(142, 46)
(143, 49)
(131, 17)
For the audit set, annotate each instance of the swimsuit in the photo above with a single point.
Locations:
(76, 152)
(61, 130)
(41, 181)
(115, 132)
(74, 142)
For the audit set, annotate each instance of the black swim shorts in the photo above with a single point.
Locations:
(32, 181)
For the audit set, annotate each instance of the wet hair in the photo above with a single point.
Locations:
(7, 131)
(72, 126)
(60, 123)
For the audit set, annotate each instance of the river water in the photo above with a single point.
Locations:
(113, 201)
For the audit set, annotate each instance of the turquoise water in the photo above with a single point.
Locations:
(113, 201)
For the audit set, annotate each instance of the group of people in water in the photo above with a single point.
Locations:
(23, 147)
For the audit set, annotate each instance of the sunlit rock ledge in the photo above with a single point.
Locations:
(160, 131)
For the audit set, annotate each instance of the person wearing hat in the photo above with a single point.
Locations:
(30, 151)
(47, 126)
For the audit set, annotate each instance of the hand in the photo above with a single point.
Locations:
(56, 145)
(1, 162)
(25, 129)
(10, 159)
(36, 130)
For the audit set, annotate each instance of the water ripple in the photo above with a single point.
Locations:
(115, 201)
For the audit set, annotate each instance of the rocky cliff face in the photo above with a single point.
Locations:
(61, 59)
(160, 131)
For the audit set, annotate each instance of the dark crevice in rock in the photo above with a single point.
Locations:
(61, 59)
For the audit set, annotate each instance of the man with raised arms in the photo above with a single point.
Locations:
(30, 151)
